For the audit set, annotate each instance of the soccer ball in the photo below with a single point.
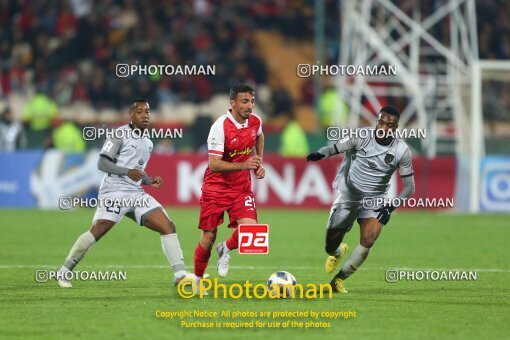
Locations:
(285, 282)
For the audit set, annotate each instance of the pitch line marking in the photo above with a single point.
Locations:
(113, 266)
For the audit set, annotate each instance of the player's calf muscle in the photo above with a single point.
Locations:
(208, 238)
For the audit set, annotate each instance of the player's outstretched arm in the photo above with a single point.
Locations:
(216, 164)
(339, 147)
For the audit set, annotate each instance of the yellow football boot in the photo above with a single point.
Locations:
(332, 261)
(337, 285)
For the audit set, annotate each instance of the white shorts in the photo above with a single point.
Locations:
(135, 205)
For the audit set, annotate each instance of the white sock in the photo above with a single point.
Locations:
(80, 247)
(357, 258)
(173, 252)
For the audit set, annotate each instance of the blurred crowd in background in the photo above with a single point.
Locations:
(69, 49)
(57, 53)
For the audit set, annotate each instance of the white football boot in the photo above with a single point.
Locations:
(223, 259)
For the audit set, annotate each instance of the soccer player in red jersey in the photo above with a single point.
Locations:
(227, 183)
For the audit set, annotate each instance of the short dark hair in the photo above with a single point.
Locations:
(241, 88)
(138, 100)
(391, 110)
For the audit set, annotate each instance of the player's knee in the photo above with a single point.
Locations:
(172, 227)
(167, 228)
(99, 228)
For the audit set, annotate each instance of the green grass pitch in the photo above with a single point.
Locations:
(34, 240)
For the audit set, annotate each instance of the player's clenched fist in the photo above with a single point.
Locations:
(253, 163)
(135, 174)
(384, 214)
(157, 182)
(260, 172)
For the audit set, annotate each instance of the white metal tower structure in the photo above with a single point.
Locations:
(434, 71)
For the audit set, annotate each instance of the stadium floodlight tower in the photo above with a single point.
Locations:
(435, 49)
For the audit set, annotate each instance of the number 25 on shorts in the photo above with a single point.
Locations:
(253, 238)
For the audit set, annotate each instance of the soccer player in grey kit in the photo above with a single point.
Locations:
(123, 158)
(370, 160)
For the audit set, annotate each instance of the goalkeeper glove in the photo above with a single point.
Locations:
(384, 214)
(315, 156)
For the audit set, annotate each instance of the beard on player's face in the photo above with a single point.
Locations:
(244, 112)
(243, 105)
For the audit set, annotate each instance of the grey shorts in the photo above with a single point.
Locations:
(135, 205)
(346, 209)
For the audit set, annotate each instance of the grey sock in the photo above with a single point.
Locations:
(80, 247)
(357, 257)
(173, 252)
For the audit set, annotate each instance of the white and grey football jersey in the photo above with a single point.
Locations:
(368, 166)
(130, 152)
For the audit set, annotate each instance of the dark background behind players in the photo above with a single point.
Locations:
(67, 50)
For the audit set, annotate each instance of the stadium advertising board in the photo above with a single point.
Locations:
(290, 182)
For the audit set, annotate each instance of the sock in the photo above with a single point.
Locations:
(233, 241)
(201, 260)
(80, 247)
(357, 257)
(173, 252)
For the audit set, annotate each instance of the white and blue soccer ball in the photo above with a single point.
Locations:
(284, 282)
